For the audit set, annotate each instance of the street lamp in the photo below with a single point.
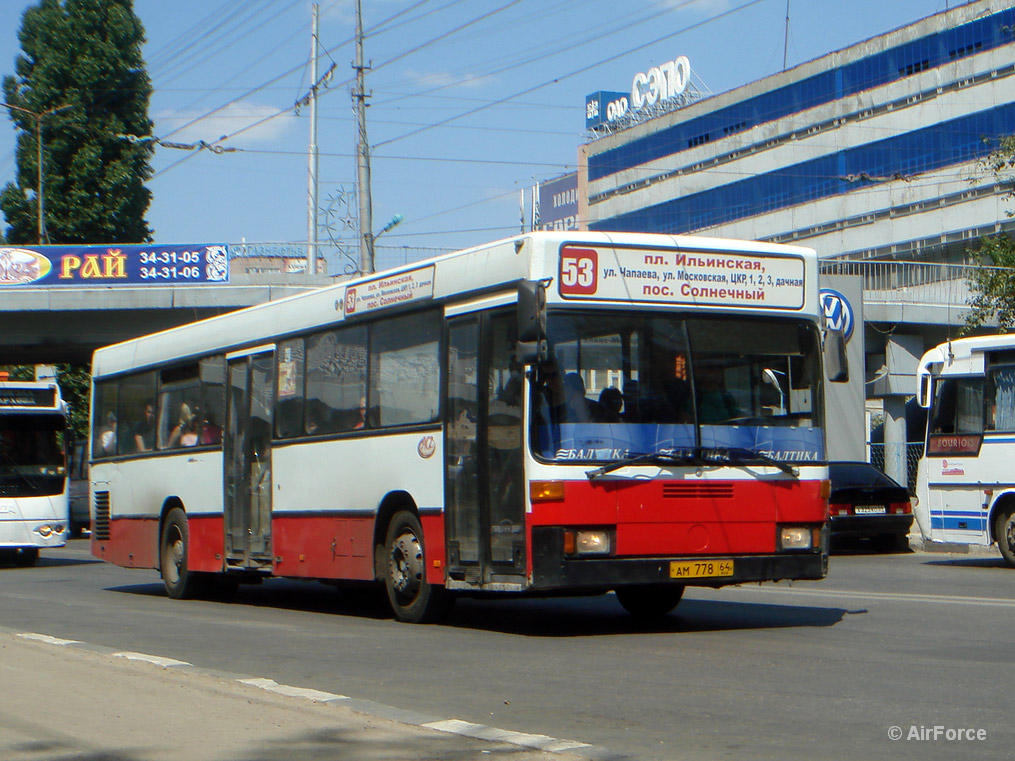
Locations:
(43, 238)
(394, 221)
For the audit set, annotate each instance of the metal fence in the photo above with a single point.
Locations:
(914, 451)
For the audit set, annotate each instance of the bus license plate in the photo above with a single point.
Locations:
(700, 569)
(869, 510)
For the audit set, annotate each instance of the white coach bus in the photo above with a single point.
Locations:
(966, 482)
(33, 469)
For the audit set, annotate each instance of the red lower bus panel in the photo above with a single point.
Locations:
(672, 517)
(207, 543)
(433, 539)
(132, 543)
(324, 547)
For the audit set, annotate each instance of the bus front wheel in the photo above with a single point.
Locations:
(649, 600)
(413, 599)
(1004, 530)
(180, 582)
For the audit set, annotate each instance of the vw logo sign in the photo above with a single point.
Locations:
(838, 313)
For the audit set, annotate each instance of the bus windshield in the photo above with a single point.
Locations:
(620, 385)
(31, 455)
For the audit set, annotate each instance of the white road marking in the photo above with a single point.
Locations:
(998, 602)
(158, 660)
(482, 732)
(48, 639)
(294, 692)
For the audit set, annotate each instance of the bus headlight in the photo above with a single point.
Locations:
(46, 530)
(796, 538)
(587, 542)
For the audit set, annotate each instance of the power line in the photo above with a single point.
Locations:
(580, 70)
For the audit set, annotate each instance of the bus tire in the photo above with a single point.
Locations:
(26, 557)
(174, 548)
(412, 598)
(649, 600)
(1004, 530)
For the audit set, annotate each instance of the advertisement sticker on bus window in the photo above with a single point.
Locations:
(667, 276)
(414, 285)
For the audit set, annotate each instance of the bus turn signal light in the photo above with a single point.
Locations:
(546, 491)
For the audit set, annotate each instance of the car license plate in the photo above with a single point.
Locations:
(700, 569)
(869, 510)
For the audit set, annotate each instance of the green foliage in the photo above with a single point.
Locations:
(75, 387)
(84, 58)
(993, 287)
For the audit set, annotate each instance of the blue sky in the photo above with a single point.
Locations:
(471, 100)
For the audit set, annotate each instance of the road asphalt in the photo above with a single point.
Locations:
(64, 700)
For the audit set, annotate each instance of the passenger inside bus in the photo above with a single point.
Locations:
(144, 431)
(715, 403)
(611, 402)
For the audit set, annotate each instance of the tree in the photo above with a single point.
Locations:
(81, 81)
(993, 285)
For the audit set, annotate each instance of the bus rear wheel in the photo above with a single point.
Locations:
(413, 599)
(25, 556)
(1004, 530)
(649, 600)
(181, 583)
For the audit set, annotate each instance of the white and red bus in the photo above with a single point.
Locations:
(33, 469)
(553, 413)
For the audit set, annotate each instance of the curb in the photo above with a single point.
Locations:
(369, 708)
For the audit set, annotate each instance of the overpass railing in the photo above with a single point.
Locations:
(925, 283)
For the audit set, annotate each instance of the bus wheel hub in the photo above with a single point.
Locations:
(406, 564)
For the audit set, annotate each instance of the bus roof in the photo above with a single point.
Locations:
(482, 269)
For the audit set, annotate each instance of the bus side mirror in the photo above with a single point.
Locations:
(836, 364)
(532, 344)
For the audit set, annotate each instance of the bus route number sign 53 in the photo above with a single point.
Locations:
(579, 269)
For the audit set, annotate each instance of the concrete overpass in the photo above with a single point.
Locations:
(64, 324)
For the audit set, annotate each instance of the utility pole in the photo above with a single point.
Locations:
(366, 251)
(312, 159)
(785, 42)
(41, 207)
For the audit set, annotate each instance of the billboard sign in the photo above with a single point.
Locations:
(666, 83)
(605, 106)
(113, 264)
(557, 204)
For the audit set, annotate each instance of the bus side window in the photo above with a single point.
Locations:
(1000, 399)
(289, 394)
(104, 419)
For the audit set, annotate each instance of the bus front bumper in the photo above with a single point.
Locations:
(551, 569)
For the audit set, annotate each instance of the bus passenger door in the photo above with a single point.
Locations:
(485, 506)
(250, 398)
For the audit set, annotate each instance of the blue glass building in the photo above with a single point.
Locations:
(867, 152)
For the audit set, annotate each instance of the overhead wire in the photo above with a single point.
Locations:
(573, 73)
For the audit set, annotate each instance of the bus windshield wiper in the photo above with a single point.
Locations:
(690, 457)
(740, 455)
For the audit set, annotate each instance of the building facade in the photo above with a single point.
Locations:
(870, 155)
(867, 152)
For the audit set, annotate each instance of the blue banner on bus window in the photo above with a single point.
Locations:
(598, 442)
(49, 266)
